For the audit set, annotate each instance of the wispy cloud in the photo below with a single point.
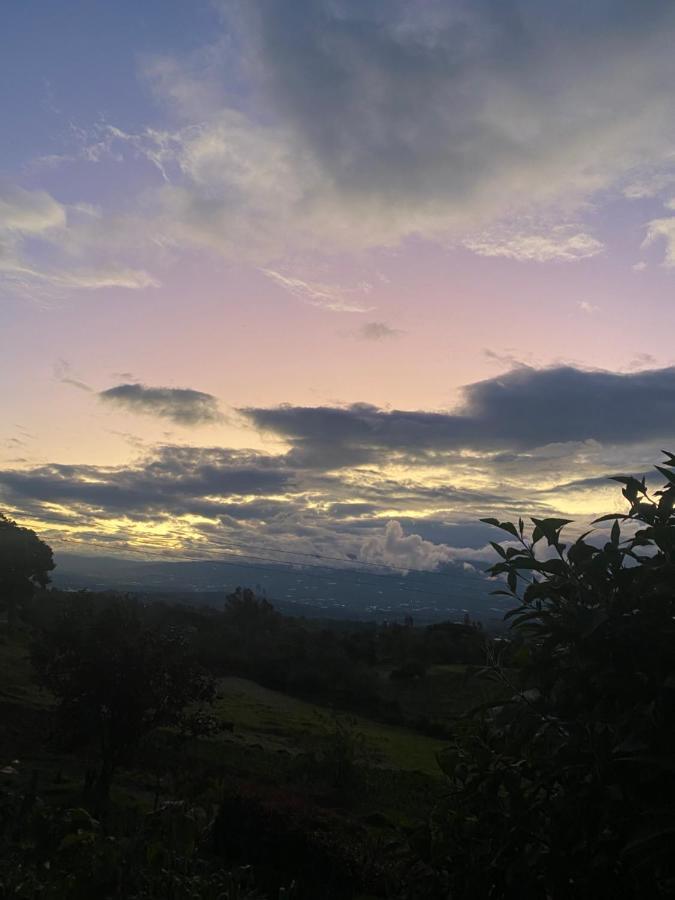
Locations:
(29, 212)
(662, 231)
(559, 243)
(34, 228)
(327, 296)
(63, 373)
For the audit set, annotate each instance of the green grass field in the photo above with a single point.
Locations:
(275, 721)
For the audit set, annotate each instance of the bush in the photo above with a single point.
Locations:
(568, 789)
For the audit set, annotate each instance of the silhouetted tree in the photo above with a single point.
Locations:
(25, 563)
(116, 679)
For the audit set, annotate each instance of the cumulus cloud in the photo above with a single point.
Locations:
(183, 406)
(409, 551)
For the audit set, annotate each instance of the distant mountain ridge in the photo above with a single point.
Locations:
(308, 590)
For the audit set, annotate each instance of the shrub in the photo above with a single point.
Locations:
(568, 789)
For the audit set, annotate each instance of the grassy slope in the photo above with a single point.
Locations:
(17, 684)
(273, 720)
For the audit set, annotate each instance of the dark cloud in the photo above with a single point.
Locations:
(174, 481)
(527, 442)
(181, 405)
(520, 410)
(418, 105)
(239, 495)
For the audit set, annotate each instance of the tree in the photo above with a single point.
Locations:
(117, 679)
(25, 563)
(253, 619)
(568, 788)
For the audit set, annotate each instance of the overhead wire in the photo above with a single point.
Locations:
(326, 572)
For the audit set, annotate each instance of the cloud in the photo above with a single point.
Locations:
(79, 279)
(63, 373)
(183, 406)
(519, 410)
(560, 243)
(326, 296)
(210, 500)
(642, 361)
(377, 331)
(529, 441)
(169, 481)
(420, 122)
(662, 231)
(104, 277)
(29, 212)
(339, 125)
(342, 125)
(37, 241)
(393, 547)
(588, 308)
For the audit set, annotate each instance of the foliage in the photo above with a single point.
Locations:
(116, 679)
(56, 853)
(286, 838)
(568, 790)
(25, 563)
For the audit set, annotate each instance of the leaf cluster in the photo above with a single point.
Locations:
(568, 788)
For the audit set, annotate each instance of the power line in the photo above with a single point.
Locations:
(355, 564)
(305, 568)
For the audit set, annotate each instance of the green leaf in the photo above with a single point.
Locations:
(669, 475)
(554, 567)
(505, 526)
(550, 529)
(616, 534)
(609, 518)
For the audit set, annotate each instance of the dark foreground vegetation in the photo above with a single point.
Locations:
(158, 751)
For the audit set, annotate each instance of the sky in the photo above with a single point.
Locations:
(335, 276)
